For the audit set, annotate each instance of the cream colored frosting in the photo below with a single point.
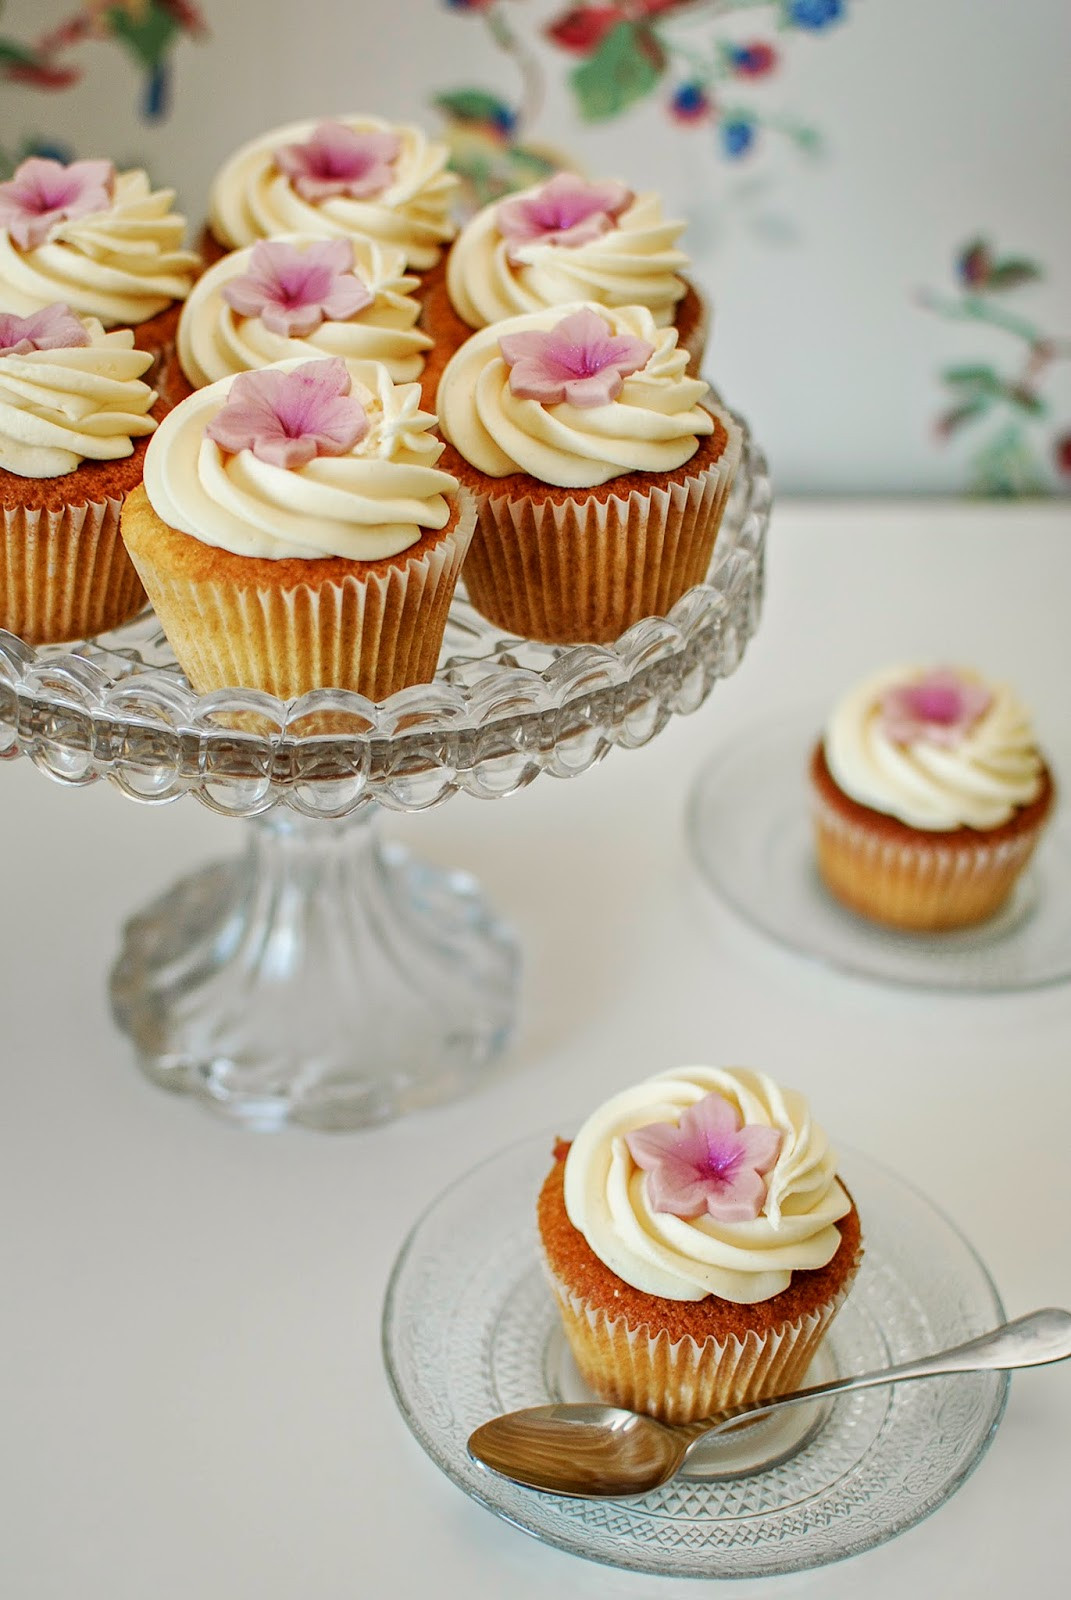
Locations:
(123, 265)
(61, 407)
(372, 502)
(690, 1258)
(215, 341)
(634, 263)
(252, 199)
(977, 783)
(654, 425)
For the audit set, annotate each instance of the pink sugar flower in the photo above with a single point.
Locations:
(339, 160)
(292, 289)
(579, 361)
(287, 418)
(52, 328)
(564, 211)
(710, 1163)
(44, 193)
(939, 709)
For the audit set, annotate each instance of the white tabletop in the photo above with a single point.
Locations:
(193, 1398)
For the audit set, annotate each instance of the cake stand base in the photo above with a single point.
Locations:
(322, 978)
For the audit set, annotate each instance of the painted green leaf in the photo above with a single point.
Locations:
(147, 37)
(625, 68)
(1011, 272)
(473, 105)
(951, 421)
(1006, 467)
(14, 55)
(972, 377)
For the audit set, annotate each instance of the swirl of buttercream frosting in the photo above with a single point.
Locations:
(977, 782)
(122, 265)
(60, 407)
(252, 198)
(215, 341)
(689, 1258)
(635, 262)
(653, 425)
(374, 501)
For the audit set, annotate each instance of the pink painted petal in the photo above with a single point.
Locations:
(54, 327)
(740, 1200)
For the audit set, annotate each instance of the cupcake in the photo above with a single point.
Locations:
(103, 242)
(600, 476)
(294, 531)
(356, 177)
(297, 298)
(562, 241)
(929, 796)
(74, 424)
(698, 1242)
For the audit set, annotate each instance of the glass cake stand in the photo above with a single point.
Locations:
(324, 977)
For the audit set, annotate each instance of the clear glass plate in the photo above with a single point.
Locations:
(749, 826)
(470, 1330)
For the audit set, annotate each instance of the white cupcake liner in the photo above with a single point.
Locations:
(65, 574)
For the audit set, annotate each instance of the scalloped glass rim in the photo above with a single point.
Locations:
(468, 1325)
(499, 711)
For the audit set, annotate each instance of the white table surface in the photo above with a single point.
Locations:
(193, 1400)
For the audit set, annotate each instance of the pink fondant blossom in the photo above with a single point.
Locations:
(710, 1163)
(580, 361)
(939, 709)
(564, 211)
(293, 288)
(287, 418)
(340, 160)
(52, 328)
(44, 193)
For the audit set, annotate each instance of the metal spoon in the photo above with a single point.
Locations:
(586, 1451)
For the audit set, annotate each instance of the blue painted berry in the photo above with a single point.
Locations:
(753, 60)
(737, 136)
(815, 14)
(690, 103)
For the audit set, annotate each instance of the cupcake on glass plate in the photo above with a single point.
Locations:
(562, 241)
(930, 794)
(101, 241)
(300, 297)
(295, 532)
(600, 469)
(74, 424)
(698, 1242)
(353, 176)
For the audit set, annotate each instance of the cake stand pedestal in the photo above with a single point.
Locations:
(323, 977)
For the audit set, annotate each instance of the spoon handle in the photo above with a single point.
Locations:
(1029, 1341)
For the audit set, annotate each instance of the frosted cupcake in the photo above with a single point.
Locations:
(294, 532)
(563, 241)
(103, 242)
(74, 423)
(600, 471)
(930, 794)
(354, 177)
(297, 298)
(698, 1242)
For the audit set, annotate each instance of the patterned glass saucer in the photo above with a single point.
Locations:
(470, 1330)
(749, 827)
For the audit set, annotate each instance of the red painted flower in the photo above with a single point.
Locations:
(939, 709)
(583, 28)
(339, 160)
(288, 418)
(564, 211)
(1062, 449)
(53, 328)
(43, 193)
(293, 288)
(710, 1163)
(580, 361)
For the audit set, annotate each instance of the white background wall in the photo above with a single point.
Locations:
(942, 119)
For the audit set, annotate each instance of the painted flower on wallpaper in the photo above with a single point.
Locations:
(1018, 452)
(619, 55)
(146, 30)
